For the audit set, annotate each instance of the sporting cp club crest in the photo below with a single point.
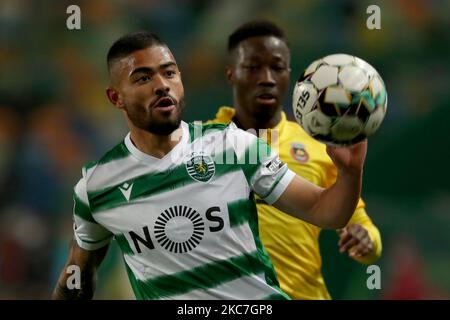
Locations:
(298, 152)
(200, 167)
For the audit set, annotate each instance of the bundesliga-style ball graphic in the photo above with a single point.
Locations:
(340, 100)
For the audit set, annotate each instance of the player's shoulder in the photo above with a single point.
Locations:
(209, 125)
(199, 129)
(221, 132)
(119, 151)
(234, 131)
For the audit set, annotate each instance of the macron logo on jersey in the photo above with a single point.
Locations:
(126, 190)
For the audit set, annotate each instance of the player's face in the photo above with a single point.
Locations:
(150, 90)
(259, 75)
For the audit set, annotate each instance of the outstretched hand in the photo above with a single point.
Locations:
(349, 159)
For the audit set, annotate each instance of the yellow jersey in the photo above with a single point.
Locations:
(293, 244)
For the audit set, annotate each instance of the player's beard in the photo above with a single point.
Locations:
(144, 119)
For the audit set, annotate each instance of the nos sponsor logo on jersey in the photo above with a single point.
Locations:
(200, 167)
(178, 229)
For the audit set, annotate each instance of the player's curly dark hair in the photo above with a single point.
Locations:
(132, 42)
(254, 28)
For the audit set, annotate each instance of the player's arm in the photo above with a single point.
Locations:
(87, 250)
(334, 206)
(87, 262)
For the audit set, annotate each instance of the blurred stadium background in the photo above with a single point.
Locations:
(54, 116)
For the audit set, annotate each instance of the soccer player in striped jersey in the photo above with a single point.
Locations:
(179, 198)
(259, 75)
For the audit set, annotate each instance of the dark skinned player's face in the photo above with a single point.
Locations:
(259, 74)
(147, 85)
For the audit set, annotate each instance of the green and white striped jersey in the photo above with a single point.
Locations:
(187, 223)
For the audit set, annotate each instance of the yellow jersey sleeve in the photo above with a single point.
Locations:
(361, 217)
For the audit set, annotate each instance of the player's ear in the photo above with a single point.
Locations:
(114, 96)
(229, 75)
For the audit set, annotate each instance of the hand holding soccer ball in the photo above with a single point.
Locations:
(350, 159)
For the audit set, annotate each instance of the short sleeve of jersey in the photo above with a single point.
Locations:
(266, 174)
(89, 234)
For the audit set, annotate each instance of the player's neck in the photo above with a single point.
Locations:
(155, 145)
(247, 121)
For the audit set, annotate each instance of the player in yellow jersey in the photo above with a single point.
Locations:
(259, 73)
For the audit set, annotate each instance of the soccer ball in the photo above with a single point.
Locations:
(340, 100)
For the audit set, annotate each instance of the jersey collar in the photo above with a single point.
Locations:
(150, 159)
